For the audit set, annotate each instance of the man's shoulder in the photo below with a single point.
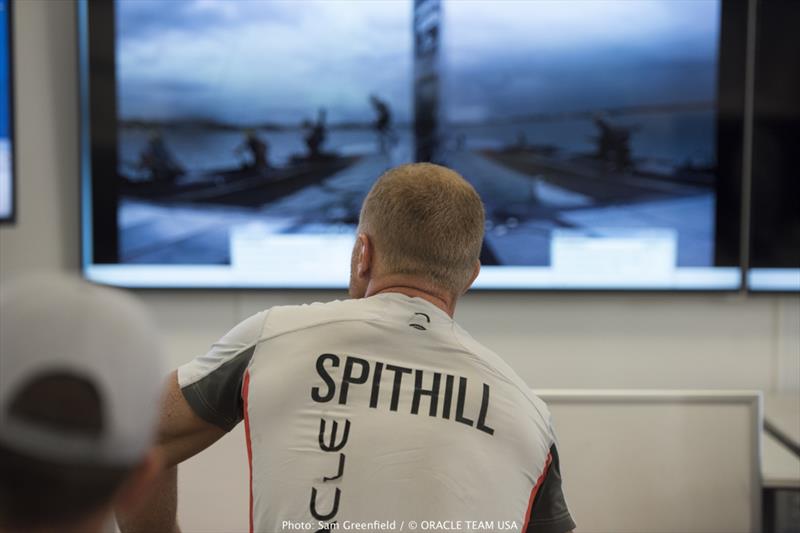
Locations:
(502, 371)
(284, 319)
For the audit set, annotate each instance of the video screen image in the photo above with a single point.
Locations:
(6, 151)
(250, 132)
(775, 196)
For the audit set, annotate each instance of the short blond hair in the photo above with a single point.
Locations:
(425, 220)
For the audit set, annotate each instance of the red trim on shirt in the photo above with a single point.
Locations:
(245, 391)
(535, 490)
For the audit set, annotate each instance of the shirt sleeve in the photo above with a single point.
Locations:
(549, 513)
(212, 383)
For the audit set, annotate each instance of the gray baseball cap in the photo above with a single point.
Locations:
(57, 325)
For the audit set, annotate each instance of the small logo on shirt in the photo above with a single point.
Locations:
(417, 318)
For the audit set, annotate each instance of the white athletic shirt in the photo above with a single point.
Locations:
(378, 412)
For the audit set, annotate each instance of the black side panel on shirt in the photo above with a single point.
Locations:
(217, 398)
(549, 513)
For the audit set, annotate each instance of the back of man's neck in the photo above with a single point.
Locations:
(413, 288)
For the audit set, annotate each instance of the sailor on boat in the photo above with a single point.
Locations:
(383, 124)
(316, 136)
(257, 150)
(158, 161)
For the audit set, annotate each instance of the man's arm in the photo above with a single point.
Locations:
(157, 511)
(182, 434)
(547, 512)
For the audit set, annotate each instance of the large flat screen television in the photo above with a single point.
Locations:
(7, 193)
(775, 198)
(230, 144)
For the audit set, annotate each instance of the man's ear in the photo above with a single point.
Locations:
(140, 481)
(365, 255)
(475, 272)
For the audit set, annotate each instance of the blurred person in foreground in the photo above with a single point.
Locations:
(379, 409)
(81, 376)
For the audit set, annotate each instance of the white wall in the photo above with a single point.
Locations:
(553, 340)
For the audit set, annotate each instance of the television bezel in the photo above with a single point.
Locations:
(11, 218)
(96, 57)
(773, 66)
